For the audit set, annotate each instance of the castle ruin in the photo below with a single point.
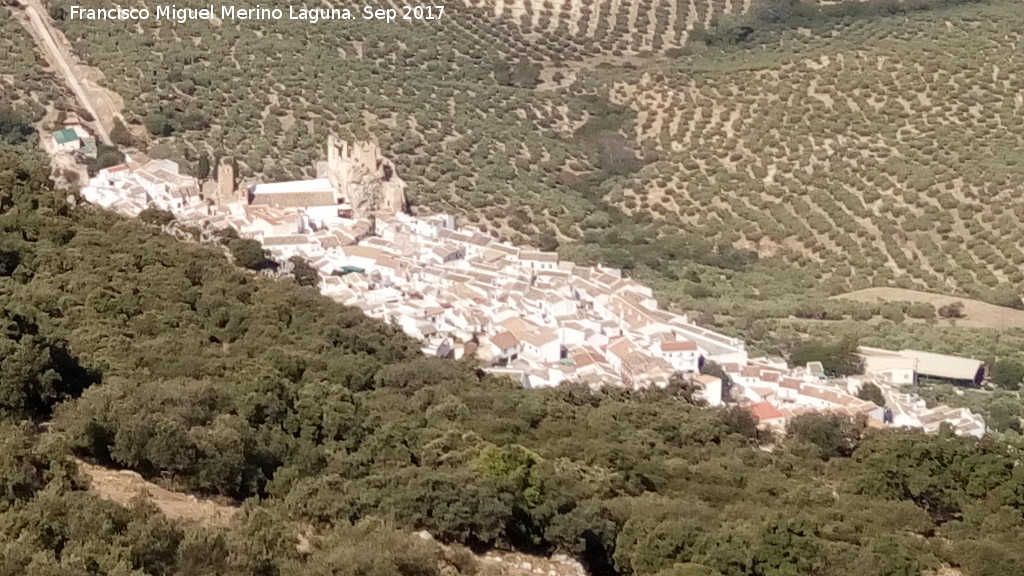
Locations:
(364, 178)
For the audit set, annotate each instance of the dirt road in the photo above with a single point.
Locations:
(58, 55)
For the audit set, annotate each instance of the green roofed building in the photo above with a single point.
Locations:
(349, 270)
(67, 140)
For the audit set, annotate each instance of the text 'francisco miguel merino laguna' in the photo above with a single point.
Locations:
(310, 15)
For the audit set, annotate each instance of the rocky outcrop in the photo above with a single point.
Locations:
(365, 178)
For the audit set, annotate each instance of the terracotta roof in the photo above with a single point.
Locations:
(585, 356)
(385, 261)
(791, 383)
(361, 251)
(707, 379)
(640, 362)
(750, 371)
(621, 347)
(504, 340)
(290, 240)
(678, 346)
(764, 412)
(832, 396)
(762, 391)
(535, 256)
(295, 199)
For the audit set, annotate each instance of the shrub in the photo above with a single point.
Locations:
(871, 393)
(248, 253)
(921, 310)
(1007, 374)
(892, 312)
(954, 310)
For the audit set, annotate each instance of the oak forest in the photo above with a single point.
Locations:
(126, 347)
(761, 164)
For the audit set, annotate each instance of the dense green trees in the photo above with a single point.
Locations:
(156, 216)
(248, 253)
(158, 124)
(168, 359)
(15, 128)
(303, 272)
(952, 310)
(872, 393)
(839, 358)
(121, 135)
(832, 435)
(1007, 374)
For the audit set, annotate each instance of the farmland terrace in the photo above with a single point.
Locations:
(701, 146)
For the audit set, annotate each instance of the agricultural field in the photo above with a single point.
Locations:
(883, 154)
(452, 101)
(615, 27)
(741, 162)
(25, 81)
(976, 314)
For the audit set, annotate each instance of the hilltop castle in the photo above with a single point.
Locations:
(356, 182)
(365, 178)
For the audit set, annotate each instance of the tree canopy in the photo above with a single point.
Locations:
(167, 358)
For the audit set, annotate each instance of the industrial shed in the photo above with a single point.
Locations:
(907, 366)
(964, 371)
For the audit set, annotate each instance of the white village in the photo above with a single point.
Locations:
(522, 313)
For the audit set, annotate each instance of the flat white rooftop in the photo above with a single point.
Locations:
(319, 185)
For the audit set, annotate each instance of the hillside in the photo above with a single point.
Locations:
(25, 80)
(161, 357)
(848, 146)
(873, 151)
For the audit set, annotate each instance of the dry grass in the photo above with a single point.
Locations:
(978, 314)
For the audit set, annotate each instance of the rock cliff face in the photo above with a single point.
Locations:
(365, 178)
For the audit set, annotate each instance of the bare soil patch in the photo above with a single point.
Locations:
(978, 314)
(123, 486)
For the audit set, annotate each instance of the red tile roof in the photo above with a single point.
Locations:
(764, 412)
(585, 356)
(791, 383)
(621, 348)
(751, 372)
(678, 346)
(504, 340)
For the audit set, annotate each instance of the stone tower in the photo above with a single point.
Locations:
(365, 156)
(365, 179)
(225, 180)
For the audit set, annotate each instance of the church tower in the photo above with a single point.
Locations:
(225, 179)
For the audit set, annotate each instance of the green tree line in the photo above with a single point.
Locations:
(167, 358)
